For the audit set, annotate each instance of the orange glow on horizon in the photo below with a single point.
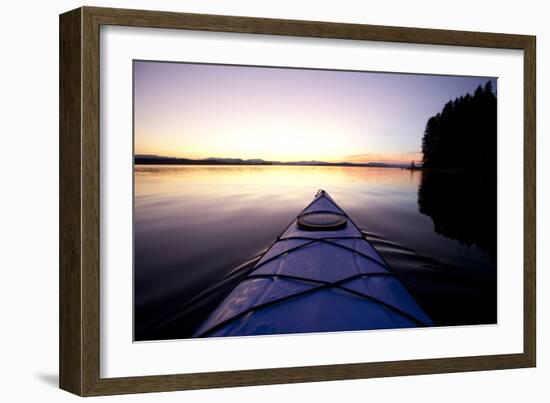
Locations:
(200, 111)
(389, 158)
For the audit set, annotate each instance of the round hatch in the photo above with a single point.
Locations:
(321, 221)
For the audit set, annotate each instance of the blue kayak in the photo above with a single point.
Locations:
(320, 275)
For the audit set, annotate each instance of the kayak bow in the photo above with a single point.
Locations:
(320, 275)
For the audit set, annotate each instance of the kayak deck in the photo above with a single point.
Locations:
(316, 280)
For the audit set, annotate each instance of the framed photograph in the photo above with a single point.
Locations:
(249, 201)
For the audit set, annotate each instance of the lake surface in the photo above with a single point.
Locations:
(193, 225)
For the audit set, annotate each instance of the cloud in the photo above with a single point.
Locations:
(395, 158)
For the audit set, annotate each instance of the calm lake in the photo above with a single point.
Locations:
(193, 225)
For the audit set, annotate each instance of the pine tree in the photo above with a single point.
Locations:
(463, 135)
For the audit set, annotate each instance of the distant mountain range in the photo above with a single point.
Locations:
(146, 159)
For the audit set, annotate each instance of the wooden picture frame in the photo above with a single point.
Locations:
(79, 279)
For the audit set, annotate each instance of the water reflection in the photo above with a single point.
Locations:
(462, 206)
(194, 224)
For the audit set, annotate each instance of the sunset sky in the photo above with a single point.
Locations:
(279, 114)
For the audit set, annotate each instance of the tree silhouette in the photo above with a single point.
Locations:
(458, 189)
(463, 136)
